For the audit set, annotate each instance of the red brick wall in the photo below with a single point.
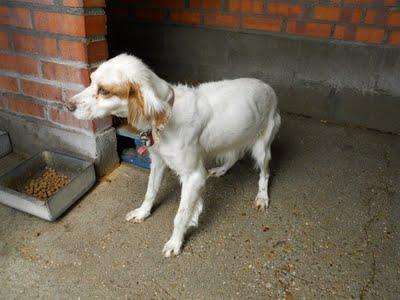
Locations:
(365, 21)
(47, 49)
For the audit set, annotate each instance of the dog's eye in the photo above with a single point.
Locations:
(103, 92)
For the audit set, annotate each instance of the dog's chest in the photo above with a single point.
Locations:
(177, 155)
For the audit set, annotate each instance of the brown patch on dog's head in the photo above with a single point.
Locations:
(136, 106)
(125, 91)
(136, 109)
(109, 90)
(160, 119)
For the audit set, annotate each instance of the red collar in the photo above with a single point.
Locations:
(146, 137)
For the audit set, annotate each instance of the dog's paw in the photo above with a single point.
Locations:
(217, 172)
(137, 215)
(261, 203)
(172, 248)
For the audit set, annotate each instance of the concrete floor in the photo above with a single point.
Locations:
(331, 232)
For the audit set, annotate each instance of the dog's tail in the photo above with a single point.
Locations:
(273, 125)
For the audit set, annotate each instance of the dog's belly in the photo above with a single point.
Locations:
(239, 125)
(229, 132)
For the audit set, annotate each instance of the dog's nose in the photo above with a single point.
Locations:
(71, 106)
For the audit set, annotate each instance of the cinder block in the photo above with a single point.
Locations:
(5, 145)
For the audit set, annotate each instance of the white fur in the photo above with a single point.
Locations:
(221, 120)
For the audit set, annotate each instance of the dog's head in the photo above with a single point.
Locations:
(125, 87)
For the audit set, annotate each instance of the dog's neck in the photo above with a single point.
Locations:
(151, 133)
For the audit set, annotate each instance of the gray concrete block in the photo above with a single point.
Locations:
(32, 137)
(106, 151)
(5, 144)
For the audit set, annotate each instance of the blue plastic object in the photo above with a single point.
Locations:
(130, 155)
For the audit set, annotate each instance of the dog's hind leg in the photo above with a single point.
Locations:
(156, 174)
(229, 159)
(261, 153)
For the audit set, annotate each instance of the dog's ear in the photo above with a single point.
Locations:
(149, 104)
(156, 107)
(136, 105)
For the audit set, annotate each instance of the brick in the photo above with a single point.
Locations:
(390, 2)
(221, 20)
(369, 35)
(262, 23)
(168, 3)
(332, 13)
(84, 3)
(375, 16)
(60, 23)
(308, 28)
(153, 14)
(185, 17)
(363, 2)
(4, 11)
(41, 90)
(54, 71)
(97, 51)
(393, 18)
(394, 38)
(284, 9)
(252, 6)
(85, 52)
(73, 50)
(206, 4)
(18, 64)
(66, 118)
(24, 107)
(35, 45)
(95, 25)
(4, 15)
(327, 13)
(8, 84)
(355, 16)
(234, 5)
(21, 17)
(4, 40)
(345, 32)
(246, 6)
(76, 25)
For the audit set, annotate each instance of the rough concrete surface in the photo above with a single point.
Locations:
(331, 232)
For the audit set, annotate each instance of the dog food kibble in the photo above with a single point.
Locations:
(46, 185)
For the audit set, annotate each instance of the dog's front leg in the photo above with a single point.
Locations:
(189, 210)
(156, 174)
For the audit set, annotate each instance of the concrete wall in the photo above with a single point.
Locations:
(355, 82)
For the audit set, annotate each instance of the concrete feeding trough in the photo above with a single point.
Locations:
(5, 144)
(80, 172)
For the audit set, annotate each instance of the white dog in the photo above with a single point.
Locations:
(221, 120)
